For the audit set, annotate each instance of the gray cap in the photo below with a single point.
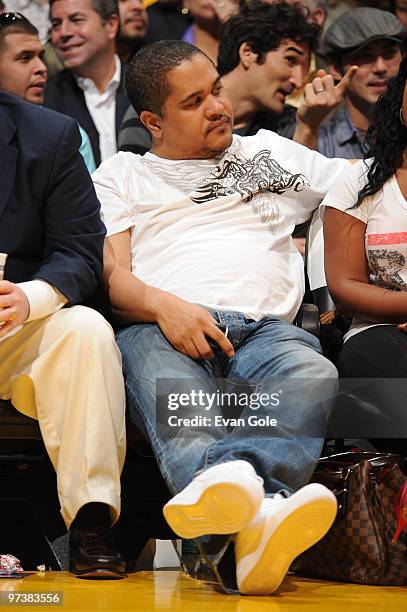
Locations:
(358, 27)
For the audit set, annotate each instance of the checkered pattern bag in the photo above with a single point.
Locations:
(359, 547)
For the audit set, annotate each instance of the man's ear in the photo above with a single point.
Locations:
(246, 55)
(319, 16)
(112, 26)
(153, 123)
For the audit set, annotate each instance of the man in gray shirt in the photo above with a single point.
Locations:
(373, 40)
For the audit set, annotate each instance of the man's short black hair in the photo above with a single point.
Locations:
(105, 8)
(146, 75)
(19, 25)
(264, 27)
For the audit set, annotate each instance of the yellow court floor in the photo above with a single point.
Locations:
(173, 590)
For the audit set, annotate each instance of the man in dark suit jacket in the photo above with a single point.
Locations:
(90, 89)
(60, 365)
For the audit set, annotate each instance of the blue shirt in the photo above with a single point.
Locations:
(86, 151)
(339, 138)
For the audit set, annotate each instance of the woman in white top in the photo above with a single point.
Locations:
(365, 232)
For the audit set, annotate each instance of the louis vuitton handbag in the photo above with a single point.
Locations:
(367, 543)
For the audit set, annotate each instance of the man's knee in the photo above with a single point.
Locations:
(87, 325)
(311, 364)
(324, 368)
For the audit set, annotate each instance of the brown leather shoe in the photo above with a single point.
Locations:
(93, 554)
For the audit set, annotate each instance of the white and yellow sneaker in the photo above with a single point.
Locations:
(282, 530)
(221, 500)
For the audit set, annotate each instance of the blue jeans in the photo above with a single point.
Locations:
(271, 356)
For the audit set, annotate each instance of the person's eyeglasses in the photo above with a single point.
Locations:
(7, 19)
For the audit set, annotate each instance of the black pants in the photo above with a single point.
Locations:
(377, 353)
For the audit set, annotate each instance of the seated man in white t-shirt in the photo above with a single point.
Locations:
(202, 270)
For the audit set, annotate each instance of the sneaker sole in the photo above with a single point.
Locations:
(300, 530)
(223, 508)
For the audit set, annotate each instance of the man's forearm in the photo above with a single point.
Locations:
(305, 135)
(131, 299)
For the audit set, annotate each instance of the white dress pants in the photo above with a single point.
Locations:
(65, 371)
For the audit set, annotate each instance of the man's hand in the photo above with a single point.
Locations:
(402, 327)
(322, 96)
(186, 326)
(14, 307)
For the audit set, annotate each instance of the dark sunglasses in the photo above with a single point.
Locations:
(7, 19)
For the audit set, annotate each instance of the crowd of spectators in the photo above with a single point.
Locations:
(86, 46)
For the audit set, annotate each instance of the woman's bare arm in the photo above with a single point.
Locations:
(347, 273)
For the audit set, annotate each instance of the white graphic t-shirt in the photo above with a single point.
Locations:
(385, 216)
(218, 232)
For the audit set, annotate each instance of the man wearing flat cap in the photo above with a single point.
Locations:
(374, 40)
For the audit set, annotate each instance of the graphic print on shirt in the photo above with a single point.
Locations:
(249, 177)
(387, 255)
(259, 180)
